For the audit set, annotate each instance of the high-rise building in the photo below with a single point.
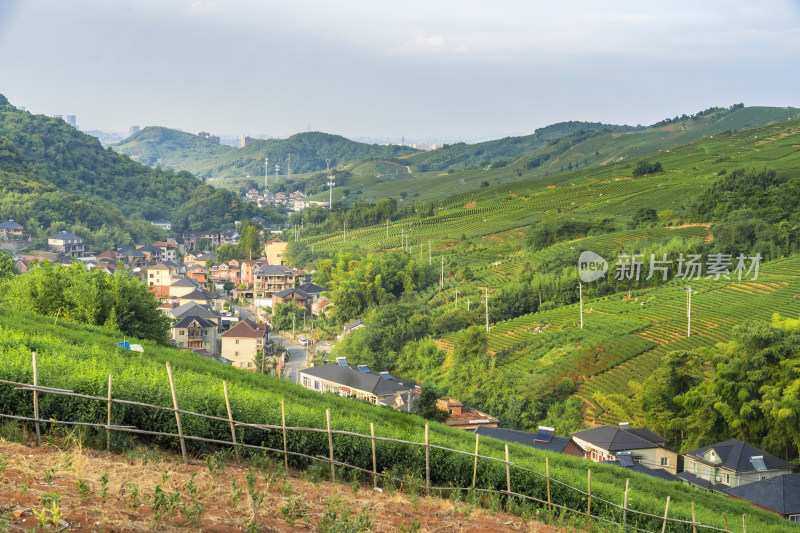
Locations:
(132, 130)
(247, 140)
(71, 121)
(209, 136)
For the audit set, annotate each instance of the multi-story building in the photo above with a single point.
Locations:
(241, 343)
(159, 278)
(67, 244)
(270, 279)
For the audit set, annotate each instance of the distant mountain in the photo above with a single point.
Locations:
(459, 156)
(204, 158)
(54, 177)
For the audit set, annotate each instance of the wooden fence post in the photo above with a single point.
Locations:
(285, 447)
(666, 512)
(508, 472)
(547, 475)
(475, 468)
(589, 503)
(427, 459)
(374, 457)
(744, 523)
(625, 502)
(36, 399)
(230, 416)
(108, 416)
(725, 519)
(177, 414)
(330, 444)
(694, 527)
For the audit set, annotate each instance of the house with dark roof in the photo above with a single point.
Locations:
(464, 417)
(67, 244)
(603, 443)
(633, 466)
(269, 279)
(10, 230)
(152, 254)
(199, 296)
(181, 286)
(779, 494)
(241, 343)
(194, 333)
(541, 440)
(292, 296)
(312, 289)
(192, 309)
(356, 381)
(352, 326)
(730, 463)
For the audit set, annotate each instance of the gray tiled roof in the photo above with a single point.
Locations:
(556, 444)
(780, 494)
(287, 292)
(274, 270)
(311, 288)
(652, 472)
(735, 455)
(10, 225)
(353, 378)
(188, 319)
(193, 309)
(614, 438)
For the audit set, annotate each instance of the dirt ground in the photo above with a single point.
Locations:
(78, 489)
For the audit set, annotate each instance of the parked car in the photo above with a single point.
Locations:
(303, 341)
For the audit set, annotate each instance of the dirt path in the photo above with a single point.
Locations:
(197, 497)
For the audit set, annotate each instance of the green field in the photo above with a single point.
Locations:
(80, 358)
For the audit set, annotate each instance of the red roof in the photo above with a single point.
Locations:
(247, 329)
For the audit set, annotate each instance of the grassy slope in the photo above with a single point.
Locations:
(80, 358)
(497, 218)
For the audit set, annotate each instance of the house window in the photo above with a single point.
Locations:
(794, 518)
(664, 461)
(692, 467)
(237, 341)
(726, 478)
(236, 353)
(183, 332)
(704, 472)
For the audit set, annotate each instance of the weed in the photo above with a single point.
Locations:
(338, 518)
(51, 498)
(48, 476)
(133, 496)
(294, 509)
(194, 514)
(84, 490)
(143, 454)
(236, 493)
(413, 527)
(3, 464)
(23, 488)
(104, 487)
(5, 522)
(256, 496)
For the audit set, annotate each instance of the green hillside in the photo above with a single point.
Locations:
(309, 151)
(56, 178)
(726, 193)
(80, 358)
(563, 150)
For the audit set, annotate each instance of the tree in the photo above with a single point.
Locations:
(7, 268)
(426, 407)
(249, 243)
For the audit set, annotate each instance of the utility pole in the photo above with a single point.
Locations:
(487, 309)
(441, 280)
(580, 290)
(277, 171)
(266, 173)
(467, 305)
(293, 317)
(429, 253)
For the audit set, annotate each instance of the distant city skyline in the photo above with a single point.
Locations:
(428, 71)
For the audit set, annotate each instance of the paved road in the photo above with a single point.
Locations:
(297, 356)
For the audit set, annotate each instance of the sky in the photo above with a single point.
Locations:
(427, 70)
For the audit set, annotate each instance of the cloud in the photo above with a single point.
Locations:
(424, 44)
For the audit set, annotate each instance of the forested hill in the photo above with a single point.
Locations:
(54, 177)
(173, 149)
(462, 155)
